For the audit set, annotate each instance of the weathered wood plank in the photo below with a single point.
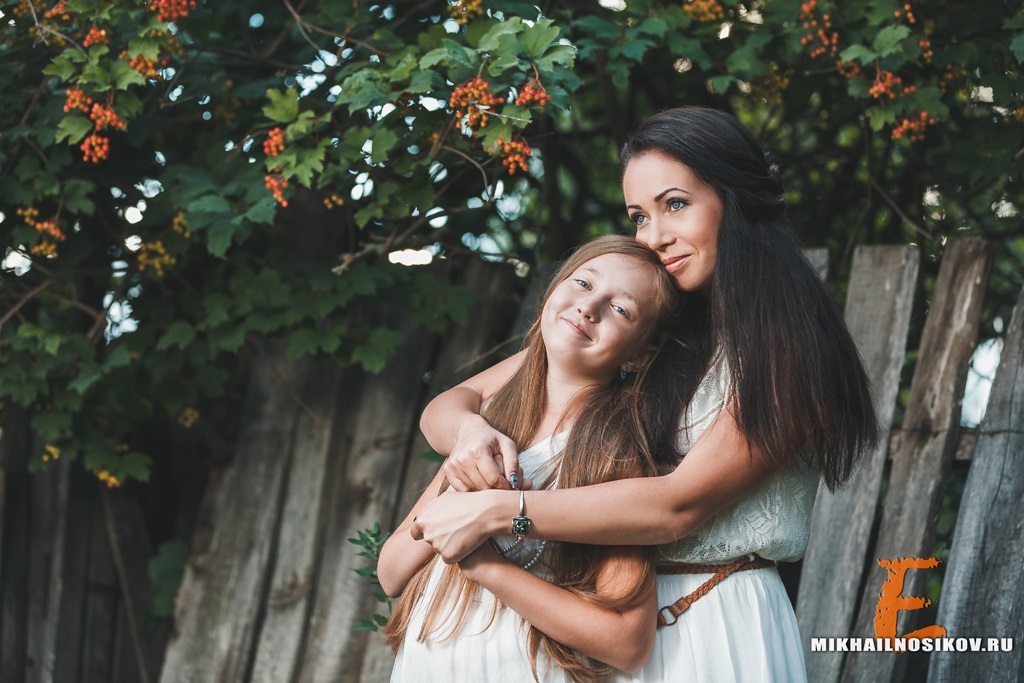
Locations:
(14, 452)
(921, 465)
(463, 353)
(983, 590)
(140, 643)
(223, 589)
(100, 600)
(363, 480)
(279, 648)
(48, 523)
(877, 312)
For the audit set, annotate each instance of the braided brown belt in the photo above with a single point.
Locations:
(718, 572)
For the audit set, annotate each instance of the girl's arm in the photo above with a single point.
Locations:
(718, 470)
(622, 638)
(453, 426)
(401, 556)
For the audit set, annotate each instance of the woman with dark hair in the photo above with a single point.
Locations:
(784, 401)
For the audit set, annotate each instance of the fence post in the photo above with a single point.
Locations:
(926, 444)
(878, 314)
(983, 590)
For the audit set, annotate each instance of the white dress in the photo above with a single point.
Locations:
(743, 630)
(491, 645)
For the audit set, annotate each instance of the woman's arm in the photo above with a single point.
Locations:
(718, 470)
(401, 556)
(622, 638)
(452, 426)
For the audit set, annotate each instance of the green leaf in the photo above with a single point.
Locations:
(179, 334)
(1017, 48)
(858, 53)
(383, 141)
(73, 128)
(134, 465)
(539, 37)
(491, 40)
(218, 238)
(283, 107)
(125, 76)
(166, 569)
(302, 342)
(879, 117)
(61, 67)
(373, 354)
(210, 203)
(720, 84)
(889, 38)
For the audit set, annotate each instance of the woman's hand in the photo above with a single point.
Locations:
(455, 524)
(482, 457)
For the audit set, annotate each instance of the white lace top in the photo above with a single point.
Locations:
(773, 520)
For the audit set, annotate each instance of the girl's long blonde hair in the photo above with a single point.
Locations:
(611, 439)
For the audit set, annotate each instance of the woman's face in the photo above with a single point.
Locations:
(596, 320)
(677, 215)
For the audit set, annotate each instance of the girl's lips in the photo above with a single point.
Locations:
(674, 263)
(578, 328)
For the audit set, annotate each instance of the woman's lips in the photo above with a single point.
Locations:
(674, 263)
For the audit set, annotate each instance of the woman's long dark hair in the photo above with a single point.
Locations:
(795, 370)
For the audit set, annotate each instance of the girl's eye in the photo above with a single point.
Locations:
(620, 310)
(583, 283)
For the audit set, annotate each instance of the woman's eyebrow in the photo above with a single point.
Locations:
(661, 195)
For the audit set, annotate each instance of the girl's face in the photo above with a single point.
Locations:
(677, 215)
(596, 319)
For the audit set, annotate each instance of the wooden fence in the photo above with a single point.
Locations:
(270, 592)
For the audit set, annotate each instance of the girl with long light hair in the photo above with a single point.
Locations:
(582, 409)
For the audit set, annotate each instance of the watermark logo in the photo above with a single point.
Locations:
(891, 600)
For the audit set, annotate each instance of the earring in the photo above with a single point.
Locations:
(622, 375)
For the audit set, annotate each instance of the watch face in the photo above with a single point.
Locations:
(520, 526)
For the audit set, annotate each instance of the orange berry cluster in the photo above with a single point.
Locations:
(105, 116)
(77, 100)
(333, 200)
(533, 92)
(472, 99)
(771, 86)
(848, 69)
(909, 13)
(154, 255)
(172, 10)
(180, 225)
(51, 452)
(48, 228)
(913, 128)
(95, 148)
(888, 84)
(274, 144)
(819, 33)
(107, 478)
(188, 417)
(96, 36)
(277, 185)
(60, 9)
(514, 155)
(703, 10)
(926, 49)
(464, 10)
(146, 67)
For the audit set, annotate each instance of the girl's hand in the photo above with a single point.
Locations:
(482, 457)
(455, 524)
(475, 564)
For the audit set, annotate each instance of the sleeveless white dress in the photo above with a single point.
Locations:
(491, 645)
(743, 630)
